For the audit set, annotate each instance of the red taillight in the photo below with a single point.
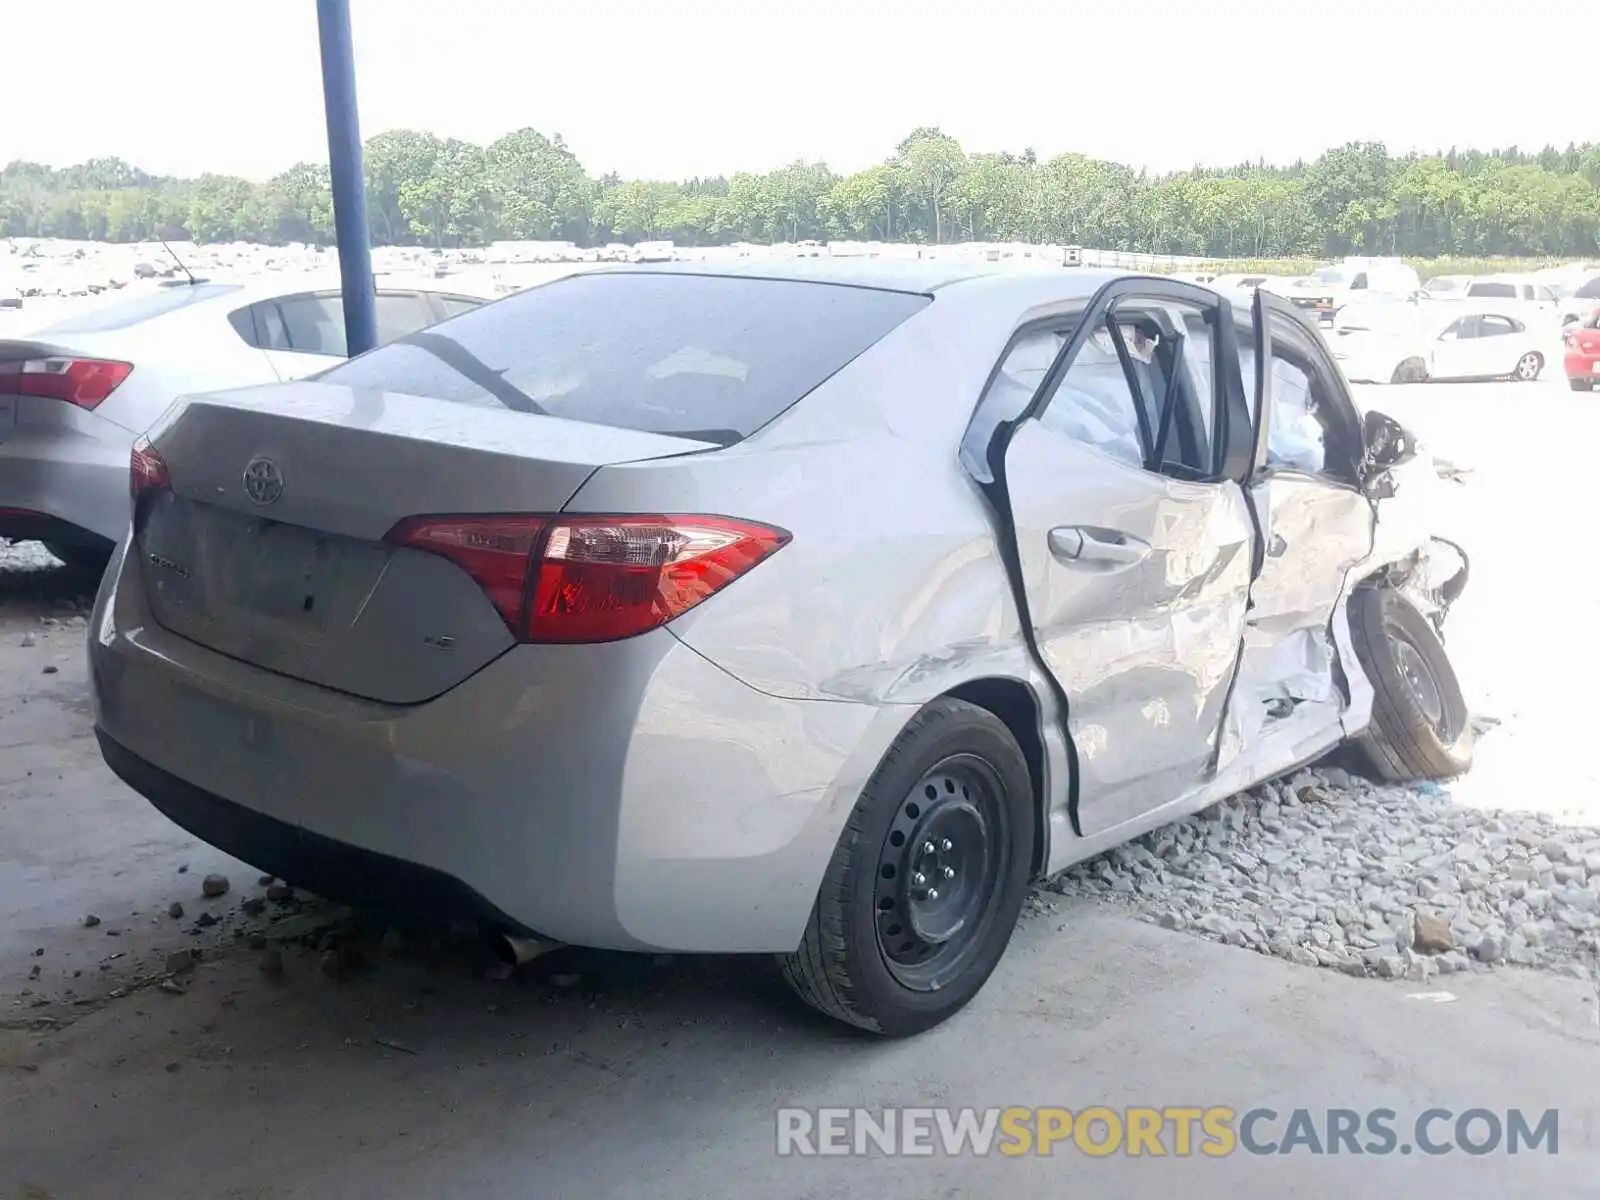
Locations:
(146, 468)
(496, 551)
(593, 579)
(81, 381)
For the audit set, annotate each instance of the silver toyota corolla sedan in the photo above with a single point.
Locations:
(798, 609)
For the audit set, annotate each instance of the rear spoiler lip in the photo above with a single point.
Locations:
(22, 351)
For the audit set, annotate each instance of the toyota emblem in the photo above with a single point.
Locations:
(263, 482)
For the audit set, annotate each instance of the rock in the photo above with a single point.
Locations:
(253, 906)
(279, 893)
(184, 869)
(49, 669)
(205, 920)
(1173, 920)
(266, 880)
(1215, 924)
(172, 987)
(213, 886)
(29, 641)
(1453, 961)
(392, 942)
(175, 910)
(179, 961)
(1490, 949)
(1390, 966)
(1421, 970)
(1432, 935)
(90, 921)
(331, 964)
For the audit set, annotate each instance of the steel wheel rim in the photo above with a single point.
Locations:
(1528, 366)
(939, 872)
(1446, 717)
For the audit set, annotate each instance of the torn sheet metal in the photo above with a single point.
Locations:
(1277, 677)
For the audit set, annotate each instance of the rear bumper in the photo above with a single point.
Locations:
(67, 476)
(330, 868)
(628, 796)
(1582, 368)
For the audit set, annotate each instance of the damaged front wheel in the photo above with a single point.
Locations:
(1420, 727)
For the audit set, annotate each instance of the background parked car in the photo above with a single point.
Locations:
(1576, 297)
(1443, 287)
(74, 394)
(1582, 360)
(1521, 288)
(1328, 289)
(1452, 341)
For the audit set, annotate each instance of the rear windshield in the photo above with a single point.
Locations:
(135, 309)
(1590, 290)
(1506, 291)
(710, 357)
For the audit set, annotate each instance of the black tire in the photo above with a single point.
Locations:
(1529, 367)
(842, 967)
(87, 558)
(1412, 370)
(1406, 740)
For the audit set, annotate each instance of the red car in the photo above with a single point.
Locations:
(1583, 353)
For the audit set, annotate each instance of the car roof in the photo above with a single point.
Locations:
(1004, 282)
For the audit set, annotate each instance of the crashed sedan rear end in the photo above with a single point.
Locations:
(809, 610)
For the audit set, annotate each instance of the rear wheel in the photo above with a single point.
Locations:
(1528, 367)
(1412, 370)
(1420, 727)
(925, 885)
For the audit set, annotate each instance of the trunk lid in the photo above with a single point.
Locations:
(269, 546)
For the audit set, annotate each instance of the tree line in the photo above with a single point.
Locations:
(426, 190)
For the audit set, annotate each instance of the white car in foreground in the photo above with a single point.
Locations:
(1460, 340)
(74, 394)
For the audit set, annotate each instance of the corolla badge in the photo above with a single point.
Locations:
(263, 482)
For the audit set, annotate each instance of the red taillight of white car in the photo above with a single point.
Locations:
(146, 469)
(85, 382)
(591, 578)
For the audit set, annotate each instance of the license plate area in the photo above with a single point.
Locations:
(222, 575)
(284, 573)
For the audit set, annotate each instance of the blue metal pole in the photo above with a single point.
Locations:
(344, 173)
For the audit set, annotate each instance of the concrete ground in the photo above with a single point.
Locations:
(418, 1076)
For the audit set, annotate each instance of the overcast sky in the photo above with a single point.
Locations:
(702, 87)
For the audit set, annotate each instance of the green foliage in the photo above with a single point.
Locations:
(1471, 208)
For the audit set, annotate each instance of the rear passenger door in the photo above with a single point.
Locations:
(304, 333)
(1316, 522)
(1133, 546)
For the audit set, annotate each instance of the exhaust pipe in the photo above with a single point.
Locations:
(519, 951)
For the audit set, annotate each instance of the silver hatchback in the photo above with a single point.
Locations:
(804, 609)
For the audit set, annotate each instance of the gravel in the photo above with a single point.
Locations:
(1330, 870)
